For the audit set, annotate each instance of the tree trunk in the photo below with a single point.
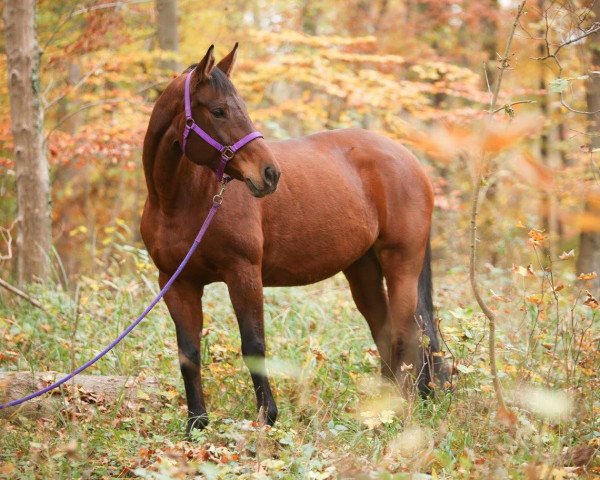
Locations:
(589, 241)
(166, 26)
(31, 164)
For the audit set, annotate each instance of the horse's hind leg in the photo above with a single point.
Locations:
(184, 302)
(366, 284)
(401, 271)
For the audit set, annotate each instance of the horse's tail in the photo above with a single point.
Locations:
(432, 365)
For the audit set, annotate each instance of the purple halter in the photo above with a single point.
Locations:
(227, 152)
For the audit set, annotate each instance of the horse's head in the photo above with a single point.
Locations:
(217, 109)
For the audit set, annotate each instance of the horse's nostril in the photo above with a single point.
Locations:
(270, 175)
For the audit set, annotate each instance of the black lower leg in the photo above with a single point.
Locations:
(189, 363)
(254, 356)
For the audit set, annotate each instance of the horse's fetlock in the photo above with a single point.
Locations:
(272, 413)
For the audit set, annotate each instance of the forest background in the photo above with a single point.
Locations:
(422, 72)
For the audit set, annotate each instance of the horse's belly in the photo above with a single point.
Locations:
(309, 256)
(276, 277)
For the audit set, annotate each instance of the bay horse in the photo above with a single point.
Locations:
(300, 211)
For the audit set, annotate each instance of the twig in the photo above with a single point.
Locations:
(22, 294)
(102, 6)
(97, 103)
(510, 105)
(586, 33)
(504, 63)
(73, 88)
(7, 237)
(75, 12)
(583, 112)
(554, 55)
(75, 327)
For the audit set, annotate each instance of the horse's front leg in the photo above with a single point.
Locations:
(184, 301)
(245, 290)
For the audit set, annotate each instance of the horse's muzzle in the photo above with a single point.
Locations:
(270, 178)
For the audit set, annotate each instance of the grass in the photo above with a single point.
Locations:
(336, 420)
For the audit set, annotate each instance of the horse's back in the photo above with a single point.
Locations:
(340, 193)
(382, 164)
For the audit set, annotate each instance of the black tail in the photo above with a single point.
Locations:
(431, 368)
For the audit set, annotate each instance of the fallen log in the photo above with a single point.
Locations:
(84, 390)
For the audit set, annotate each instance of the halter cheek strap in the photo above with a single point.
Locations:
(227, 152)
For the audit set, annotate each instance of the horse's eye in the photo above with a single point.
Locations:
(218, 113)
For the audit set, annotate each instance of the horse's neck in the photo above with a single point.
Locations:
(168, 173)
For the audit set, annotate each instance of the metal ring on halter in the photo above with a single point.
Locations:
(227, 153)
(189, 122)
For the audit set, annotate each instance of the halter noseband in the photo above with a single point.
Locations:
(227, 151)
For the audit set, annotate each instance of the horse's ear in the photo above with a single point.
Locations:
(206, 65)
(226, 65)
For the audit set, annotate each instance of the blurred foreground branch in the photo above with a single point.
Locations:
(479, 178)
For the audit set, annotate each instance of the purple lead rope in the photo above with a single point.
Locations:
(227, 153)
(209, 217)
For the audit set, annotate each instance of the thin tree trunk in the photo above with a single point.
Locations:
(70, 104)
(490, 45)
(166, 29)
(31, 164)
(589, 241)
(479, 177)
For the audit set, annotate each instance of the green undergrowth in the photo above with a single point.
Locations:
(336, 419)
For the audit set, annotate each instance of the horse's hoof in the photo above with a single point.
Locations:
(267, 415)
(271, 415)
(198, 422)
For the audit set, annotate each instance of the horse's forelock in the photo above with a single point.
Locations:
(218, 79)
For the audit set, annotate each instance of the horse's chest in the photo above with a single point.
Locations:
(168, 238)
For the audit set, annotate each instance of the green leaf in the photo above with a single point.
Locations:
(559, 85)
(465, 369)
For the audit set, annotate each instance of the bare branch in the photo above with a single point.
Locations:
(97, 103)
(583, 112)
(73, 88)
(586, 33)
(75, 12)
(22, 294)
(7, 237)
(103, 6)
(510, 105)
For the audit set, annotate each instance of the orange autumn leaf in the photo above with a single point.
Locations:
(587, 276)
(591, 301)
(523, 271)
(535, 299)
(536, 237)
